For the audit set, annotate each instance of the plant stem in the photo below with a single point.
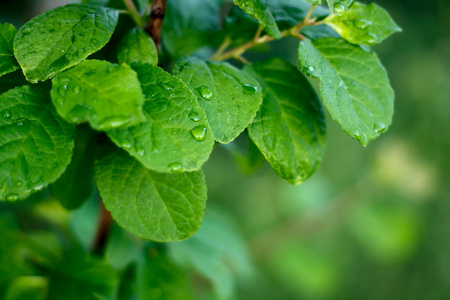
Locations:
(257, 40)
(133, 12)
(155, 21)
(103, 229)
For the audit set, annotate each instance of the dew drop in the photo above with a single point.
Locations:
(199, 133)
(379, 127)
(12, 197)
(125, 144)
(206, 93)
(7, 113)
(309, 71)
(60, 100)
(20, 121)
(194, 116)
(250, 89)
(357, 135)
(19, 183)
(175, 167)
(76, 89)
(362, 24)
(139, 149)
(166, 86)
(339, 9)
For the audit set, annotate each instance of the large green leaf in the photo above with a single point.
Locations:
(354, 86)
(289, 129)
(75, 186)
(258, 10)
(176, 135)
(105, 94)
(137, 47)
(364, 24)
(61, 38)
(216, 251)
(7, 61)
(190, 25)
(157, 206)
(160, 279)
(229, 96)
(35, 143)
(340, 7)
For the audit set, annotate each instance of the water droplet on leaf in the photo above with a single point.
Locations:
(125, 144)
(21, 121)
(7, 113)
(166, 86)
(250, 89)
(339, 9)
(379, 127)
(12, 197)
(175, 167)
(194, 116)
(357, 135)
(139, 149)
(199, 133)
(206, 93)
(19, 183)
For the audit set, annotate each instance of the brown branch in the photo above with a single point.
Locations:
(103, 229)
(155, 21)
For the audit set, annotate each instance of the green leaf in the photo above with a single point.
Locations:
(75, 186)
(105, 94)
(340, 7)
(354, 86)
(176, 135)
(240, 27)
(7, 61)
(315, 2)
(364, 24)
(160, 279)
(137, 47)
(62, 38)
(79, 276)
(258, 10)
(216, 251)
(229, 96)
(289, 129)
(35, 143)
(161, 207)
(187, 28)
(27, 288)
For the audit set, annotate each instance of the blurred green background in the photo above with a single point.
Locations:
(372, 223)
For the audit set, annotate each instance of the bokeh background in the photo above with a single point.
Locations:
(372, 223)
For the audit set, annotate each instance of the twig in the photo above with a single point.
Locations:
(155, 21)
(103, 229)
(133, 12)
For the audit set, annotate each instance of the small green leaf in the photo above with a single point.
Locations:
(159, 279)
(75, 186)
(137, 47)
(161, 207)
(190, 25)
(354, 86)
(61, 38)
(7, 61)
(176, 135)
(229, 96)
(35, 143)
(340, 7)
(79, 276)
(27, 288)
(258, 10)
(105, 94)
(364, 24)
(289, 129)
